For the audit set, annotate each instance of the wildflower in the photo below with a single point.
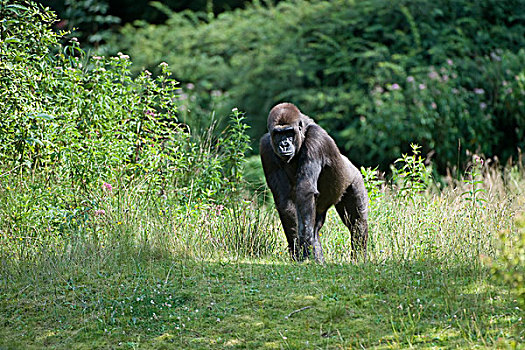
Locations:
(219, 209)
(410, 79)
(163, 64)
(97, 58)
(119, 222)
(433, 75)
(122, 56)
(450, 62)
(107, 187)
(482, 105)
(479, 91)
(190, 86)
(150, 113)
(395, 86)
(433, 105)
(147, 72)
(235, 109)
(422, 86)
(478, 159)
(100, 212)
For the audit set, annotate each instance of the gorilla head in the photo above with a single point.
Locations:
(286, 125)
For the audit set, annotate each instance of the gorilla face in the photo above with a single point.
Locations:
(284, 142)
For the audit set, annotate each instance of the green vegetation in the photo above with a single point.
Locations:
(219, 277)
(120, 227)
(447, 75)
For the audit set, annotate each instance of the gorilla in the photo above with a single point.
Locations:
(307, 175)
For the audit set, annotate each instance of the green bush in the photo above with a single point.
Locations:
(447, 75)
(78, 131)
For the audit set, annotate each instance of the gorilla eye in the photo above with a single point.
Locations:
(289, 134)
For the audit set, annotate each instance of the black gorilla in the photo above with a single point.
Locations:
(307, 175)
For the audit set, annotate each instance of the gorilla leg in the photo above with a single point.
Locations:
(288, 216)
(313, 241)
(353, 210)
(318, 250)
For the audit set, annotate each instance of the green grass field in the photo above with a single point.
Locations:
(141, 276)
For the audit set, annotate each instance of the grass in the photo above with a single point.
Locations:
(147, 275)
(171, 303)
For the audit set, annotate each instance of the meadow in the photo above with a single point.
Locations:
(141, 275)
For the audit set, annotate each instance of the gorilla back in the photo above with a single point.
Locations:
(307, 175)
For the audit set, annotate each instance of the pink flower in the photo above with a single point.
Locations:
(100, 212)
(219, 209)
(478, 159)
(479, 91)
(410, 79)
(434, 105)
(395, 86)
(107, 187)
(422, 86)
(450, 62)
(433, 75)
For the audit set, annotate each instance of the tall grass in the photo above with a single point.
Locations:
(445, 226)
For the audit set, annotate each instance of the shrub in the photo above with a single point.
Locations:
(446, 75)
(86, 119)
(78, 132)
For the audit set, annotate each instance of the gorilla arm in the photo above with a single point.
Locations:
(281, 188)
(311, 164)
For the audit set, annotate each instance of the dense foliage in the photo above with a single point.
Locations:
(76, 129)
(130, 10)
(448, 75)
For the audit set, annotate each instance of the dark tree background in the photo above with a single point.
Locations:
(130, 10)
